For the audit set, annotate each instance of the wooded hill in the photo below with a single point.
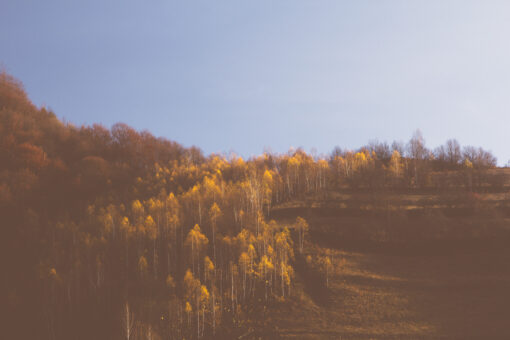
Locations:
(117, 234)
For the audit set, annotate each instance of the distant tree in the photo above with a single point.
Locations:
(128, 321)
(453, 152)
(302, 229)
(395, 165)
(214, 215)
(197, 241)
(418, 154)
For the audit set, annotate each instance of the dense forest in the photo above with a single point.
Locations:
(116, 234)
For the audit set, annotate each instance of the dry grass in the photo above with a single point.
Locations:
(397, 297)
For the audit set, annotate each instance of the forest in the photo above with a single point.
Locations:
(113, 233)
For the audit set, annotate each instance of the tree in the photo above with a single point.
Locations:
(453, 153)
(152, 232)
(267, 185)
(172, 220)
(197, 241)
(326, 264)
(127, 230)
(188, 309)
(244, 264)
(128, 321)
(208, 269)
(416, 147)
(204, 300)
(302, 229)
(418, 153)
(192, 293)
(214, 214)
(395, 165)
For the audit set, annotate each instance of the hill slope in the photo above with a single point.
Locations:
(451, 285)
(111, 233)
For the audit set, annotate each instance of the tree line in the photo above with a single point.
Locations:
(114, 233)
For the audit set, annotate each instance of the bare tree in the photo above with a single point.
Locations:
(128, 321)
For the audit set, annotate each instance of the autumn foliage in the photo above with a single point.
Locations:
(114, 233)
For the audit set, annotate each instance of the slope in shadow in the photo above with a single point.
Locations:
(313, 282)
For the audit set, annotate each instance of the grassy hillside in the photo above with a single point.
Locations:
(447, 278)
(112, 233)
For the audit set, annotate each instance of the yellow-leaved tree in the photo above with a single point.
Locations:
(197, 242)
(214, 214)
(302, 229)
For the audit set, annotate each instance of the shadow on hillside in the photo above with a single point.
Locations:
(412, 248)
(313, 282)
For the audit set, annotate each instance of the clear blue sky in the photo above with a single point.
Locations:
(243, 75)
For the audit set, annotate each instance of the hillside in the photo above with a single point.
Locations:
(448, 279)
(112, 233)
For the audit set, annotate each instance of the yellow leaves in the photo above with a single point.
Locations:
(468, 164)
(150, 227)
(217, 163)
(214, 212)
(191, 286)
(188, 308)
(270, 251)
(360, 157)
(188, 278)
(265, 264)
(301, 224)
(171, 198)
(196, 237)
(239, 162)
(210, 187)
(196, 189)
(149, 222)
(244, 260)
(171, 202)
(251, 251)
(204, 296)
(227, 240)
(267, 178)
(287, 272)
(395, 165)
(294, 161)
(208, 264)
(309, 259)
(267, 182)
(323, 164)
(137, 207)
(53, 272)
(125, 226)
(155, 206)
(243, 237)
(173, 207)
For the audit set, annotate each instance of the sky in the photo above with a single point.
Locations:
(248, 75)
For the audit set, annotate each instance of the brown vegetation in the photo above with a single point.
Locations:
(116, 234)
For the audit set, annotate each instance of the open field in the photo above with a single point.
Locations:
(379, 296)
(454, 285)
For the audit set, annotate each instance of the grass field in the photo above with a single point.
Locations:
(377, 296)
(431, 289)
